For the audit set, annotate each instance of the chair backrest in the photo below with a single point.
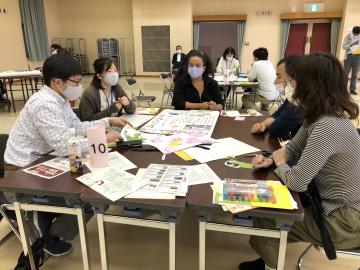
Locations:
(130, 81)
(3, 141)
(76, 111)
(167, 80)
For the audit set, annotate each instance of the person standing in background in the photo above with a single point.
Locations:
(178, 59)
(351, 46)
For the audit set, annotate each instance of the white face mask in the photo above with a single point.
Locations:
(112, 78)
(289, 91)
(229, 58)
(54, 52)
(179, 51)
(73, 92)
(280, 88)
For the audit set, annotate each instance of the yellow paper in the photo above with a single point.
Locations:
(184, 156)
(357, 51)
(283, 200)
(283, 197)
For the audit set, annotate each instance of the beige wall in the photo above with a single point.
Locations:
(260, 30)
(177, 14)
(12, 49)
(351, 17)
(92, 19)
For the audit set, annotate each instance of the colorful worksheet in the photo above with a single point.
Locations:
(177, 142)
(175, 179)
(195, 122)
(51, 168)
(112, 183)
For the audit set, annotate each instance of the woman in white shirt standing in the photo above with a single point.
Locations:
(228, 62)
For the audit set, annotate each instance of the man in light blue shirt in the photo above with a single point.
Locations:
(43, 127)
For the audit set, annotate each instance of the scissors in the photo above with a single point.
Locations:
(232, 162)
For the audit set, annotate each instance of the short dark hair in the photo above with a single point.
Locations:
(289, 62)
(321, 88)
(178, 46)
(261, 53)
(229, 50)
(100, 65)
(55, 46)
(60, 66)
(356, 30)
(206, 60)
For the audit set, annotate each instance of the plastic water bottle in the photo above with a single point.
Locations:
(74, 152)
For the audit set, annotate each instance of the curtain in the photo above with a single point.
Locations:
(285, 28)
(240, 35)
(196, 37)
(34, 29)
(335, 28)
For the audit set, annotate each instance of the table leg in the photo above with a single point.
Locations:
(83, 236)
(254, 91)
(102, 240)
(24, 234)
(31, 85)
(282, 249)
(202, 244)
(172, 245)
(12, 94)
(26, 87)
(22, 88)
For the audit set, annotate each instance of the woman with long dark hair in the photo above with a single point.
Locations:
(323, 160)
(194, 87)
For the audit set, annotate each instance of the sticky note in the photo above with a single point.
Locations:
(184, 155)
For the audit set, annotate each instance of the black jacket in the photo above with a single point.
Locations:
(177, 64)
(287, 121)
(185, 92)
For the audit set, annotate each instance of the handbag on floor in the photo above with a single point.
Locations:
(39, 256)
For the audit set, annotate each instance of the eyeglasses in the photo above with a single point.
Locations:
(76, 82)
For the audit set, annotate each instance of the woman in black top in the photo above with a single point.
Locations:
(195, 89)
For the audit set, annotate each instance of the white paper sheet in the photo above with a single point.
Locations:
(117, 161)
(195, 122)
(230, 113)
(221, 149)
(112, 183)
(136, 120)
(51, 168)
(201, 174)
(253, 113)
(139, 194)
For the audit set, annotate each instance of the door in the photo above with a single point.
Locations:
(297, 39)
(309, 36)
(320, 38)
(215, 37)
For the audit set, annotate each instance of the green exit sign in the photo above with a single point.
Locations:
(314, 7)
